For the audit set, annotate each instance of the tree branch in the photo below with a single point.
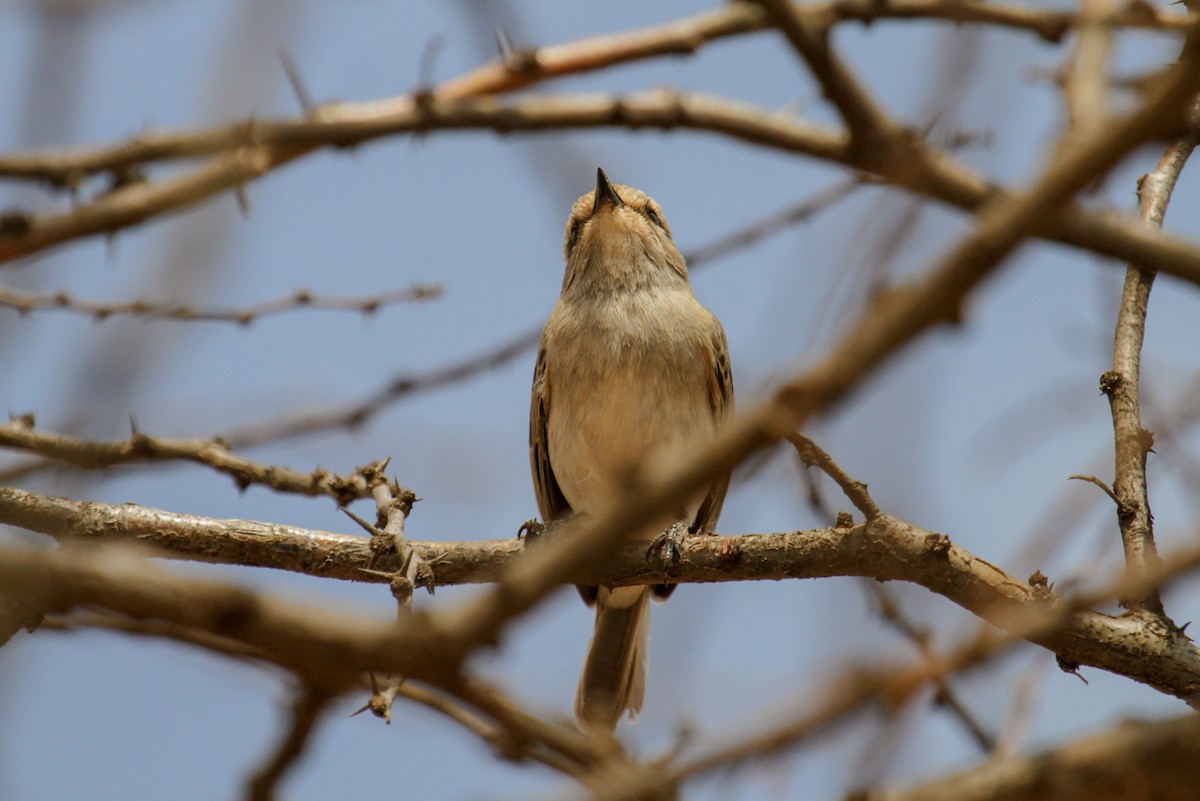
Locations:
(1133, 442)
(885, 549)
(307, 706)
(1135, 760)
(25, 302)
(266, 145)
(139, 448)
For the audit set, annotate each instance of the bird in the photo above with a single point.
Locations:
(629, 364)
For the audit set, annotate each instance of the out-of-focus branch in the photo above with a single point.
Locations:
(322, 647)
(885, 549)
(683, 36)
(19, 434)
(944, 693)
(357, 413)
(1086, 81)
(813, 455)
(888, 688)
(25, 302)
(265, 145)
(308, 704)
(869, 126)
(514, 734)
(133, 203)
(894, 320)
(1135, 760)
(1133, 442)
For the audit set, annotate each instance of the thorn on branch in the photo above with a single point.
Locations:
(1043, 588)
(1109, 381)
(1123, 509)
(1067, 666)
(242, 200)
(15, 224)
(937, 544)
(25, 420)
(425, 71)
(381, 701)
(295, 81)
(516, 61)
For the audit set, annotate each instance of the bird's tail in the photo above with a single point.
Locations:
(614, 673)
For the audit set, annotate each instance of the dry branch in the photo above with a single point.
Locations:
(19, 434)
(886, 549)
(264, 145)
(1151, 760)
(1132, 442)
(308, 704)
(25, 302)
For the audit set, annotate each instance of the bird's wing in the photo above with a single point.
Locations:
(550, 500)
(720, 397)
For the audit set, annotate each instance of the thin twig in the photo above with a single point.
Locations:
(867, 123)
(265, 145)
(814, 456)
(1099, 483)
(1133, 442)
(358, 413)
(19, 434)
(306, 709)
(1086, 81)
(25, 302)
(944, 693)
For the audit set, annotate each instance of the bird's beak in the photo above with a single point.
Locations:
(605, 194)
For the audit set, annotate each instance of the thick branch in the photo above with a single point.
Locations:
(1136, 760)
(925, 172)
(884, 549)
(808, 34)
(682, 36)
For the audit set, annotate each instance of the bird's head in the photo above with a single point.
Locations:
(619, 238)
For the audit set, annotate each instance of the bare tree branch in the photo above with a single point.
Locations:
(357, 413)
(1133, 442)
(1135, 760)
(265, 145)
(307, 706)
(25, 302)
(885, 548)
(808, 34)
(139, 448)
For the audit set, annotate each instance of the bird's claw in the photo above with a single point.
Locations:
(531, 529)
(669, 543)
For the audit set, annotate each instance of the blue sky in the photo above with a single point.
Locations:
(971, 432)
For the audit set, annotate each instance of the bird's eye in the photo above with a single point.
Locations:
(653, 217)
(573, 236)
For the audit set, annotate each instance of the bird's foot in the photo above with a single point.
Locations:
(669, 545)
(531, 530)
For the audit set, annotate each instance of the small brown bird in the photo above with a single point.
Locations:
(629, 364)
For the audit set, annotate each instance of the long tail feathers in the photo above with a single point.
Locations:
(614, 673)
